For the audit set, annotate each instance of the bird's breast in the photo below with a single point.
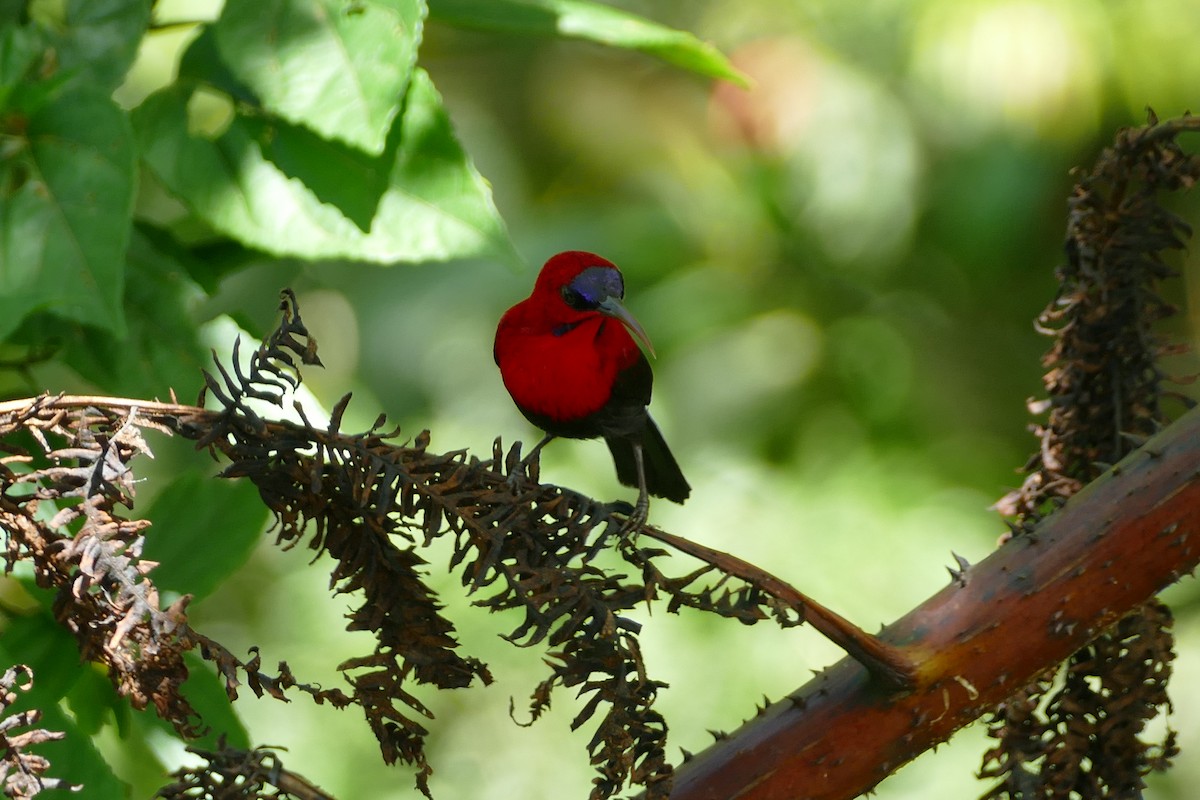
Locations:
(565, 376)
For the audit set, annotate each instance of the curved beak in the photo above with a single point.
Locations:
(612, 307)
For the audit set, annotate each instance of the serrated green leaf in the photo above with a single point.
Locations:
(582, 20)
(220, 519)
(436, 206)
(436, 194)
(66, 201)
(335, 67)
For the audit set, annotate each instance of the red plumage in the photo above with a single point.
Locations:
(569, 358)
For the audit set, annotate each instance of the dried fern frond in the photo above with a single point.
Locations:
(1105, 387)
(371, 503)
(232, 774)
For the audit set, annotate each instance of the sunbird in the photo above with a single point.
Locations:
(569, 356)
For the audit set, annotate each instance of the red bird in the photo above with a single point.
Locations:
(568, 358)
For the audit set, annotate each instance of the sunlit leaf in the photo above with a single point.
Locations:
(582, 20)
(66, 200)
(342, 176)
(338, 68)
(435, 205)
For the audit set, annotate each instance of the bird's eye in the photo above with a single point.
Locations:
(575, 299)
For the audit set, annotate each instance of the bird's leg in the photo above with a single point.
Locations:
(641, 509)
(537, 448)
(521, 467)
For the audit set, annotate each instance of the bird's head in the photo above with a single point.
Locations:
(578, 285)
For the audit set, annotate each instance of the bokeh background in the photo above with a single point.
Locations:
(839, 268)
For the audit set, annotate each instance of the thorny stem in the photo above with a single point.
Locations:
(1024, 609)
(886, 663)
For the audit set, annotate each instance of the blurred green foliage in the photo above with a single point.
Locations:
(838, 262)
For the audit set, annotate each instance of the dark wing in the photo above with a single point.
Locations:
(627, 422)
(624, 415)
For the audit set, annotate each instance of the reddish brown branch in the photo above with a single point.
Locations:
(890, 665)
(1024, 609)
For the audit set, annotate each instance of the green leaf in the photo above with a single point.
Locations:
(203, 529)
(75, 759)
(66, 200)
(435, 205)
(98, 39)
(210, 261)
(161, 349)
(202, 63)
(582, 20)
(341, 176)
(93, 700)
(49, 650)
(437, 197)
(51, 653)
(20, 50)
(339, 68)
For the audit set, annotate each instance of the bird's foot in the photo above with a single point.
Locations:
(527, 469)
(521, 476)
(636, 515)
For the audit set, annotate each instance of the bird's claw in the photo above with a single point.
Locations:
(514, 480)
(636, 516)
(527, 469)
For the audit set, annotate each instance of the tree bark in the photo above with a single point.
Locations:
(1023, 610)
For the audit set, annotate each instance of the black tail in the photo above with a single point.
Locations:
(663, 476)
